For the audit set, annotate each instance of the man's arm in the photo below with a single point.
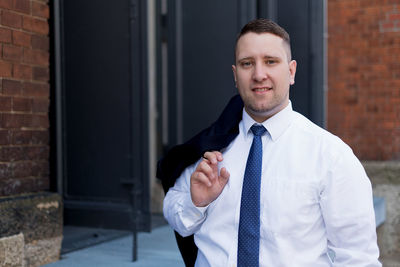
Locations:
(186, 202)
(347, 207)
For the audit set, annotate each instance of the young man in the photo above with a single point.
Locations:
(282, 192)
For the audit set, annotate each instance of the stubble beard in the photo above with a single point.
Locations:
(259, 112)
(266, 110)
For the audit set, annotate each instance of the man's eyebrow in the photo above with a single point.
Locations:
(265, 57)
(245, 58)
(271, 57)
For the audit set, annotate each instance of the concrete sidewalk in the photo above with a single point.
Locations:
(155, 249)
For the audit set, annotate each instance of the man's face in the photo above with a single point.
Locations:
(263, 74)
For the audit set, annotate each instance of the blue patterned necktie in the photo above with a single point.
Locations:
(249, 224)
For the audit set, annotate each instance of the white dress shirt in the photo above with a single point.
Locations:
(316, 205)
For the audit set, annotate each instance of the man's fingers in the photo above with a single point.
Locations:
(207, 169)
(213, 156)
(223, 177)
(224, 174)
(200, 177)
(219, 156)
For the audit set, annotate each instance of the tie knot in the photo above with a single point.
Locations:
(258, 130)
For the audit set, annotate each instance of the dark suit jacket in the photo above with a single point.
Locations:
(216, 137)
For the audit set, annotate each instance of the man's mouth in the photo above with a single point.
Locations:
(261, 89)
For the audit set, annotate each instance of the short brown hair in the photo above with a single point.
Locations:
(265, 26)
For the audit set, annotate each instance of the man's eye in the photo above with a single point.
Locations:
(246, 64)
(270, 62)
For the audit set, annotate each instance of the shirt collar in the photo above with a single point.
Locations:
(275, 125)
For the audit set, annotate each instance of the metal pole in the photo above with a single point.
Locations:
(133, 13)
(58, 95)
(133, 195)
(134, 221)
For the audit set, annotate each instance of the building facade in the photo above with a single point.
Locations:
(352, 52)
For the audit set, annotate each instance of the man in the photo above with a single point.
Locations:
(282, 192)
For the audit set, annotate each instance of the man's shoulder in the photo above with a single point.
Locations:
(327, 140)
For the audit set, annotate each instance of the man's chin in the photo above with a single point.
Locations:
(263, 112)
(258, 112)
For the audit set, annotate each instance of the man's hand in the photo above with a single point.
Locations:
(205, 183)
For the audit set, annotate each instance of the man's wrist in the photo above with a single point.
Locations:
(200, 209)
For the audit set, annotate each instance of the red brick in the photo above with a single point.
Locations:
(5, 137)
(35, 25)
(5, 69)
(5, 171)
(22, 72)
(41, 153)
(387, 25)
(36, 89)
(6, 4)
(2, 120)
(11, 19)
(39, 121)
(21, 38)
(395, 16)
(5, 35)
(40, 168)
(22, 6)
(14, 121)
(38, 153)
(21, 137)
(11, 87)
(41, 74)
(21, 169)
(23, 185)
(21, 153)
(9, 154)
(22, 104)
(37, 57)
(40, 42)
(352, 63)
(40, 137)
(40, 10)
(40, 105)
(42, 183)
(12, 53)
(5, 103)
(10, 186)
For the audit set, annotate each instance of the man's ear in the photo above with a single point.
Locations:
(292, 71)
(234, 74)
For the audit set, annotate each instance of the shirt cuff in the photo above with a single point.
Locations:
(189, 206)
(191, 215)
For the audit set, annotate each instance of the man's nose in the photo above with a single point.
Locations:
(260, 73)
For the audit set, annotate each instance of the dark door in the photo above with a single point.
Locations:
(105, 134)
(200, 39)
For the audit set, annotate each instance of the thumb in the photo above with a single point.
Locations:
(223, 176)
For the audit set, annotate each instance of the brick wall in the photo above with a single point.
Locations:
(24, 96)
(364, 76)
